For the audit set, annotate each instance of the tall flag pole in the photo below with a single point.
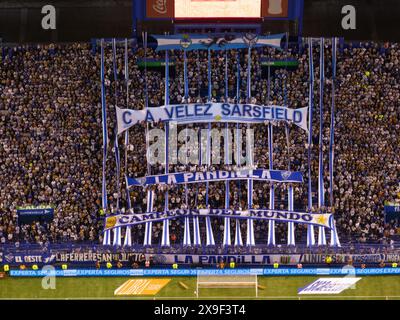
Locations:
(117, 231)
(291, 235)
(334, 235)
(227, 221)
(237, 78)
(128, 233)
(150, 193)
(187, 237)
(250, 225)
(271, 223)
(238, 138)
(116, 147)
(310, 228)
(332, 124)
(107, 234)
(209, 231)
(185, 75)
(127, 72)
(126, 140)
(199, 135)
(321, 189)
(226, 76)
(165, 240)
(249, 73)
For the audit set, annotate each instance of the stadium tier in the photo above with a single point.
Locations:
(52, 144)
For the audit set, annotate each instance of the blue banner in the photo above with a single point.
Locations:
(218, 175)
(392, 209)
(45, 212)
(195, 272)
(35, 214)
(28, 258)
(392, 213)
(216, 42)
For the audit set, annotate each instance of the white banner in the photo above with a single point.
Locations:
(124, 220)
(212, 112)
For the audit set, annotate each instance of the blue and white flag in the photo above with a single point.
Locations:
(212, 112)
(216, 42)
(219, 175)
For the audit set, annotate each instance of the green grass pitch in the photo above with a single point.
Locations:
(373, 287)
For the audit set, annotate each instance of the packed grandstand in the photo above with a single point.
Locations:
(51, 142)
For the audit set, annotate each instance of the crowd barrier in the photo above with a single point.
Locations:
(347, 247)
(88, 256)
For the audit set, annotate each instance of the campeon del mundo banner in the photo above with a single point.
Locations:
(123, 220)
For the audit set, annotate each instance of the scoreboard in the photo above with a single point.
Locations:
(217, 9)
(217, 16)
(221, 9)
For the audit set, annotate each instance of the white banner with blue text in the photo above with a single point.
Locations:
(212, 112)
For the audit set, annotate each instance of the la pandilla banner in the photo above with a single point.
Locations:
(218, 175)
(124, 220)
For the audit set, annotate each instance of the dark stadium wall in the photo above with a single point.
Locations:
(375, 19)
(20, 21)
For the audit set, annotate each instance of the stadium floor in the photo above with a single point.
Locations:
(276, 288)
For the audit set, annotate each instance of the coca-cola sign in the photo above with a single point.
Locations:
(160, 8)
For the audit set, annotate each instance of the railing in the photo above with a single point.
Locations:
(356, 248)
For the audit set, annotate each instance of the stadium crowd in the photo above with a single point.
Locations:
(51, 142)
